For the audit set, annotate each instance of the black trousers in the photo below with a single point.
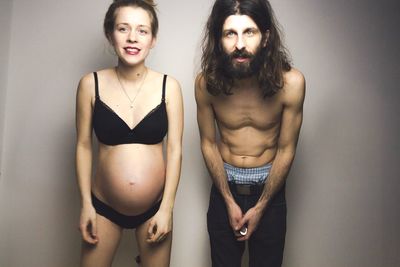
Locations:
(266, 243)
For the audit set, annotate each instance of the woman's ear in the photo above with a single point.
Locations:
(153, 42)
(110, 39)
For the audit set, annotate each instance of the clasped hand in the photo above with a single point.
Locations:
(238, 220)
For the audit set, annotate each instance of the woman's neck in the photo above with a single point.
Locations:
(131, 73)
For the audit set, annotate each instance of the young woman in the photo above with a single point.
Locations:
(131, 108)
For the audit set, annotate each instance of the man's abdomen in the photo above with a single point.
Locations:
(248, 147)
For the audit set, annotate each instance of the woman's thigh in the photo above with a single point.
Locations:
(153, 254)
(102, 254)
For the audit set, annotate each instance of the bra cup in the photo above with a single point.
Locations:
(110, 129)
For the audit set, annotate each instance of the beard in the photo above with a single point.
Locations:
(242, 70)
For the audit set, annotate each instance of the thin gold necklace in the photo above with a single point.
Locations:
(126, 93)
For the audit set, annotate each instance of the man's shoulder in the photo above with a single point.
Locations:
(200, 88)
(294, 85)
(293, 78)
(200, 82)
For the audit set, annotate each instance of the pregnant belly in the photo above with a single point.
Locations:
(131, 182)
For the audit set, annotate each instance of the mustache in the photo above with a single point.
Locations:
(241, 53)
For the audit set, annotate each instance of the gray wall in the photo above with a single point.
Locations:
(343, 189)
(5, 23)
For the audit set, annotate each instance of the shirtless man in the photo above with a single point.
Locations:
(249, 89)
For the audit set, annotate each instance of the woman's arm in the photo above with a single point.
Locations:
(163, 219)
(84, 97)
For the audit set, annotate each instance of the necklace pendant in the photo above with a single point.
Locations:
(137, 91)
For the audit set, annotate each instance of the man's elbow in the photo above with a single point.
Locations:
(207, 146)
(287, 152)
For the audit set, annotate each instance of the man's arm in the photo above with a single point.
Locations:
(292, 117)
(211, 154)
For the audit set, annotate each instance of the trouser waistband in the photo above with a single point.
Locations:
(246, 189)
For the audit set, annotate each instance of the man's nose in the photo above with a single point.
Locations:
(240, 43)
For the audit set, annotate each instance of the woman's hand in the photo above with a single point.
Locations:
(160, 226)
(88, 225)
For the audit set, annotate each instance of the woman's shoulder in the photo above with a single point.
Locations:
(87, 83)
(172, 86)
(171, 82)
(105, 73)
(89, 78)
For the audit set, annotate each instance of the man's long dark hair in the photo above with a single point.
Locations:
(275, 57)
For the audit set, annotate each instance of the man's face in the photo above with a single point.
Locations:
(241, 44)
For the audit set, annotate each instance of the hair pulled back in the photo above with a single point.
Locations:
(148, 5)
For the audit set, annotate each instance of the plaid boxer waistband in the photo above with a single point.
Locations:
(250, 176)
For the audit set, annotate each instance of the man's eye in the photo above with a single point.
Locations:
(250, 33)
(122, 29)
(143, 32)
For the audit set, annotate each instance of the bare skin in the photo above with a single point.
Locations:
(254, 131)
(130, 178)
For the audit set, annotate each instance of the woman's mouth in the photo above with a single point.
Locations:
(132, 50)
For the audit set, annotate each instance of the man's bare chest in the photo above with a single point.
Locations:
(238, 111)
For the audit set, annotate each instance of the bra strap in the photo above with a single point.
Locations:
(163, 87)
(96, 84)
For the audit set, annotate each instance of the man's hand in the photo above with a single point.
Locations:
(251, 219)
(235, 217)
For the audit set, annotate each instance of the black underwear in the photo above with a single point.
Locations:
(125, 221)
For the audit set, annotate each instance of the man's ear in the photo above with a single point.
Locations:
(266, 38)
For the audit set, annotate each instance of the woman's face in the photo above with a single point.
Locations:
(132, 38)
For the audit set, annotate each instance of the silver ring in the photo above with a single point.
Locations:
(243, 231)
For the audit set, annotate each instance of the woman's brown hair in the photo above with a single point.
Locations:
(148, 5)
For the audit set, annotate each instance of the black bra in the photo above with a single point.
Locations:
(111, 130)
